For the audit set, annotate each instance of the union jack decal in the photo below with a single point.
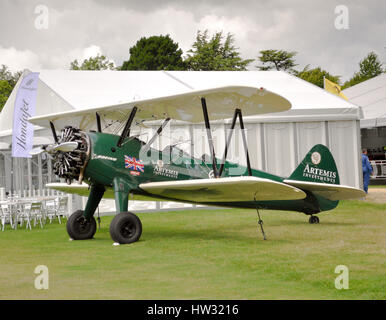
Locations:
(134, 164)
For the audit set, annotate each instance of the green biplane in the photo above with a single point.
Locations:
(123, 167)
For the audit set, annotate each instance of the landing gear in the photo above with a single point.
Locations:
(125, 228)
(313, 220)
(79, 227)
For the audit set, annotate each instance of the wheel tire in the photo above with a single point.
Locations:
(313, 220)
(125, 228)
(79, 228)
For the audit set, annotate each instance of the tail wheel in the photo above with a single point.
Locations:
(125, 228)
(80, 228)
(313, 219)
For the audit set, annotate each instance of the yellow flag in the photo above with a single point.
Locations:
(333, 88)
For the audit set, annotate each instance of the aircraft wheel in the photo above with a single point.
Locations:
(79, 228)
(313, 219)
(125, 228)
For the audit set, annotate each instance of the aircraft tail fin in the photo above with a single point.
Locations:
(318, 176)
(317, 166)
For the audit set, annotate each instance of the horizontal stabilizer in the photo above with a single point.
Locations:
(230, 189)
(331, 192)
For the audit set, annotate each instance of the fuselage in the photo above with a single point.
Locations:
(136, 163)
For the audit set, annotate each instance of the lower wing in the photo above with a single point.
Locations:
(84, 191)
(230, 189)
(234, 189)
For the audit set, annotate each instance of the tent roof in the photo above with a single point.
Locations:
(371, 96)
(86, 89)
(61, 90)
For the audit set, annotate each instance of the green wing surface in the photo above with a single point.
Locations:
(232, 189)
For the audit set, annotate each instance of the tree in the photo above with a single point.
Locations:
(100, 62)
(155, 53)
(316, 76)
(369, 67)
(356, 78)
(8, 81)
(277, 59)
(5, 91)
(214, 54)
(6, 74)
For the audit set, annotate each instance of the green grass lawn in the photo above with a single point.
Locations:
(206, 254)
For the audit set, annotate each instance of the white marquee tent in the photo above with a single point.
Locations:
(371, 96)
(277, 142)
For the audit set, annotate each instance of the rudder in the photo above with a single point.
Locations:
(317, 166)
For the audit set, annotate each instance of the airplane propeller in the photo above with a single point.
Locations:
(63, 147)
(69, 153)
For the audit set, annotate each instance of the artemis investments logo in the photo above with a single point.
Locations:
(316, 158)
(319, 174)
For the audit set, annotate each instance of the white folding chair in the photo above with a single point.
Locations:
(31, 211)
(22, 215)
(36, 212)
(62, 208)
(2, 219)
(5, 216)
(50, 209)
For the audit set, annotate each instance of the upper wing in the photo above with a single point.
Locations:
(331, 192)
(221, 103)
(232, 189)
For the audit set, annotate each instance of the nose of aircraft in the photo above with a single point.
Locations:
(69, 153)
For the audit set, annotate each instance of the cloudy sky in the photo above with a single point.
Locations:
(333, 34)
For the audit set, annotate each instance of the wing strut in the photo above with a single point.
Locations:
(240, 116)
(126, 130)
(53, 132)
(244, 141)
(98, 120)
(210, 139)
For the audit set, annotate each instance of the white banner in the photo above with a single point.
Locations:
(25, 103)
